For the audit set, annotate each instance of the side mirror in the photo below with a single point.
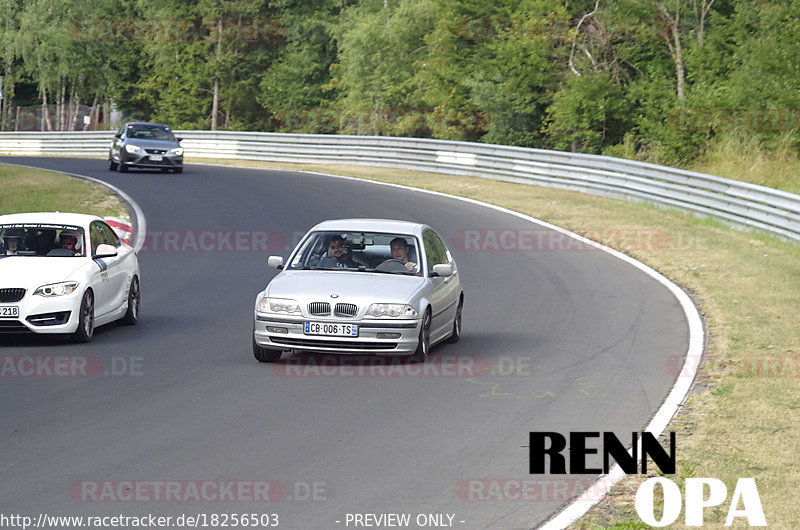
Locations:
(105, 251)
(179, 140)
(443, 269)
(118, 135)
(276, 262)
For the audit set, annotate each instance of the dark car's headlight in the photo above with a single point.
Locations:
(133, 149)
(177, 151)
(391, 310)
(278, 305)
(56, 289)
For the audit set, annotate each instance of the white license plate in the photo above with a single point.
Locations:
(9, 311)
(156, 158)
(330, 329)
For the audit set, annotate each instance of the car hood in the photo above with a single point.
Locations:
(31, 272)
(152, 144)
(350, 286)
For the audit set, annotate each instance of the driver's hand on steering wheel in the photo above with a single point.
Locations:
(410, 266)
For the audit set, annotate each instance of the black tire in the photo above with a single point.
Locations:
(85, 329)
(122, 167)
(264, 355)
(112, 165)
(164, 169)
(424, 341)
(456, 335)
(131, 317)
(178, 170)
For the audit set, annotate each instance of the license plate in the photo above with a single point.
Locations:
(9, 311)
(156, 158)
(331, 329)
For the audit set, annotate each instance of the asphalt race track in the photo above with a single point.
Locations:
(556, 339)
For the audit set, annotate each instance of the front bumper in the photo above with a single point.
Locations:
(148, 160)
(44, 315)
(376, 337)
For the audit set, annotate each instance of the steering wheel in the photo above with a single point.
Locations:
(392, 265)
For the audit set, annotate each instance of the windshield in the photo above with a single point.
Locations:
(41, 239)
(149, 132)
(359, 252)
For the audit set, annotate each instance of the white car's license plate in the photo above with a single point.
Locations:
(156, 158)
(9, 311)
(331, 329)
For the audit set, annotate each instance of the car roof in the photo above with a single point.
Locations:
(146, 123)
(370, 225)
(73, 219)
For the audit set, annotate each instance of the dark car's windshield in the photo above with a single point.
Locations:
(142, 131)
(41, 239)
(359, 252)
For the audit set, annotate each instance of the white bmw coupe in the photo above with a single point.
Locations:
(64, 273)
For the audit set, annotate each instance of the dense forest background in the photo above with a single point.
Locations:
(652, 79)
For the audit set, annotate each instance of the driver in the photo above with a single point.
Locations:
(339, 259)
(399, 247)
(69, 241)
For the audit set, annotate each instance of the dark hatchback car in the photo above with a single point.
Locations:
(147, 146)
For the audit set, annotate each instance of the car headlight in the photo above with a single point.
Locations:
(178, 151)
(56, 289)
(278, 305)
(133, 149)
(391, 310)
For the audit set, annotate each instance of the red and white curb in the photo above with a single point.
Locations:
(123, 228)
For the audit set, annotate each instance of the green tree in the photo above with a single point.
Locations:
(380, 45)
(295, 88)
(203, 59)
(497, 61)
(9, 65)
(589, 113)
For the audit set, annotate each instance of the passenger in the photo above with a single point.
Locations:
(69, 241)
(339, 260)
(12, 243)
(399, 248)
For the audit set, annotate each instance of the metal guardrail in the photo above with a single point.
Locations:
(734, 202)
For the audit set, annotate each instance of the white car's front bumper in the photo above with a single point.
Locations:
(376, 337)
(46, 315)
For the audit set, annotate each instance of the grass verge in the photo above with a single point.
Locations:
(34, 190)
(749, 160)
(741, 419)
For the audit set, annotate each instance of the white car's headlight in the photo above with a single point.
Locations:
(133, 148)
(391, 310)
(178, 151)
(278, 305)
(56, 289)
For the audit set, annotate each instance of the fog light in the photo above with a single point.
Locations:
(277, 330)
(388, 335)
